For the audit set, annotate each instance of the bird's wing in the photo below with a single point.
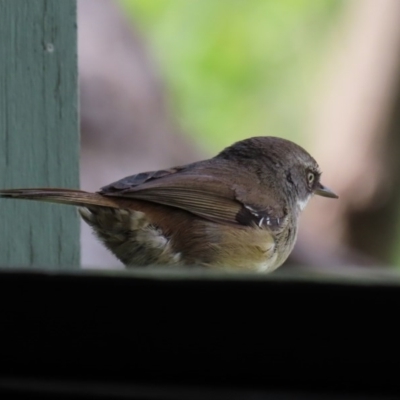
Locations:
(205, 195)
(132, 181)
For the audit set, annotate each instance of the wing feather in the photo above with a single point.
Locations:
(205, 193)
(202, 195)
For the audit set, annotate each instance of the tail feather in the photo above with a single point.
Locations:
(62, 196)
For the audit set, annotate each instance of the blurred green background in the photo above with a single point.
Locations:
(237, 68)
(240, 68)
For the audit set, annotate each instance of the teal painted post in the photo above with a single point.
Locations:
(39, 137)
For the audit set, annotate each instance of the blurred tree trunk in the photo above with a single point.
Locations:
(356, 129)
(126, 124)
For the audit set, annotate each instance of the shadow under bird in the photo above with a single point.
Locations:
(237, 210)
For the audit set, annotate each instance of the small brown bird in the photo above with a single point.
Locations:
(238, 210)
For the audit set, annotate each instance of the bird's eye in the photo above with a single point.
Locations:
(310, 178)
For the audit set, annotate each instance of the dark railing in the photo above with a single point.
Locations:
(182, 335)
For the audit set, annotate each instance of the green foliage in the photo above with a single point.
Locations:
(237, 68)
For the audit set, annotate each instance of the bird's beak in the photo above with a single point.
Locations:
(322, 190)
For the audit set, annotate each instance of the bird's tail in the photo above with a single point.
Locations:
(62, 196)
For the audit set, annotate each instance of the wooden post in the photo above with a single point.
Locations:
(39, 138)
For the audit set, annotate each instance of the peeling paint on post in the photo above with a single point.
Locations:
(39, 138)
